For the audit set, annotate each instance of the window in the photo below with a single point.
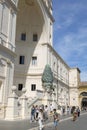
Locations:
(35, 37)
(33, 87)
(23, 36)
(34, 60)
(20, 86)
(21, 60)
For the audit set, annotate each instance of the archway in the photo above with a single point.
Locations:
(84, 100)
(84, 103)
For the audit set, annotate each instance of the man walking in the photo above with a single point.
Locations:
(56, 119)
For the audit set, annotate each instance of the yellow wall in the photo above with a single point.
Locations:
(82, 89)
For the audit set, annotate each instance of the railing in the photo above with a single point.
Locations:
(15, 1)
(7, 44)
(61, 78)
(38, 95)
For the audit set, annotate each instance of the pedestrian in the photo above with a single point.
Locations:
(68, 110)
(75, 114)
(63, 111)
(56, 119)
(46, 112)
(37, 112)
(40, 119)
(33, 113)
(78, 111)
(51, 108)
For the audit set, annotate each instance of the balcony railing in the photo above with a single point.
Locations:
(15, 1)
(7, 45)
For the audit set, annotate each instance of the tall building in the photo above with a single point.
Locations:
(26, 47)
(7, 51)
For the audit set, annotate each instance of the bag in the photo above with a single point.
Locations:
(56, 118)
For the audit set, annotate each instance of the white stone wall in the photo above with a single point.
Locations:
(31, 23)
(74, 78)
(7, 48)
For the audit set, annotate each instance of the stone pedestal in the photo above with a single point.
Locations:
(24, 109)
(24, 105)
(12, 108)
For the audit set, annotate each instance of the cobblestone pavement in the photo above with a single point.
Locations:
(79, 124)
(27, 125)
(49, 125)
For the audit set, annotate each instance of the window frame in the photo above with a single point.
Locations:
(34, 60)
(23, 36)
(35, 37)
(21, 59)
(20, 87)
(33, 87)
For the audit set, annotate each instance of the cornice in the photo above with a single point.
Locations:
(48, 12)
(56, 53)
(18, 73)
(73, 87)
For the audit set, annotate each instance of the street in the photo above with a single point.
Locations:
(65, 123)
(79, 124)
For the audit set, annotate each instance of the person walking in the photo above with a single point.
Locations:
(40, 119)
(56, 119)
(75, 114)
(37, 112)
(78, 111)
(33, 113)
(46, 112)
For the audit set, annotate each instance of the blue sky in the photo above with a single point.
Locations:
(70, 33)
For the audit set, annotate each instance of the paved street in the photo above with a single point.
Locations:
(80, 124)
(65, 124)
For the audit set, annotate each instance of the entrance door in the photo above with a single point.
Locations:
(84, 103)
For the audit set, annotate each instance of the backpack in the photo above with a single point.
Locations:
(56, 116)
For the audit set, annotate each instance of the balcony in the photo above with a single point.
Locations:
(7, 45)
(15, 2)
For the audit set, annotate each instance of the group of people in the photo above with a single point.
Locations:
(40, 114)
(37, 111)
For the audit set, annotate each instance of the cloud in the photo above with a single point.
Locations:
(72, 48)
(59, 27)
(70, 32)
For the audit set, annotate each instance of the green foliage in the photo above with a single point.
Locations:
(47, 77)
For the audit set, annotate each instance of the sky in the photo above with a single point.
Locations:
(70, 33)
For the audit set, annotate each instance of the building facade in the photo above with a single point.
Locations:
(26, 47)
(83, 95)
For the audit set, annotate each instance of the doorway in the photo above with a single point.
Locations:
(84, 103)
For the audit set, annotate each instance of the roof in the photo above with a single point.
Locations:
(83, 84)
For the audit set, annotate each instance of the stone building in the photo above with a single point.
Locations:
(26, 47)
(83, 95)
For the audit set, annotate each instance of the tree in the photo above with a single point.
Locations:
(47, 78)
